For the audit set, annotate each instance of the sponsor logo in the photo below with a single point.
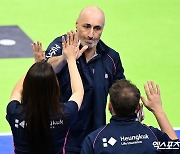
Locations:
(125, 140)
(53, 51)
(54, 123)
(17, 123)
(112, 141)
(134, 139)
(166, 145)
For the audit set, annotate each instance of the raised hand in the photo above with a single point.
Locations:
(153, 102)
(71, 46)
(39, 54)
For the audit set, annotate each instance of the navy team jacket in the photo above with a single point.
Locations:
(126, 135)
(97, 76)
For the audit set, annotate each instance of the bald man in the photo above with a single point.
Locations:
(99, 67)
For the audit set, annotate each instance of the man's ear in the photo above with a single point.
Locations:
(110, 108)
(138, 107)
(76, 24)
(140, 113)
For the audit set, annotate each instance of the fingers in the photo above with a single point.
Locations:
(76, 41)
(68, 39)
(151, 88)
(82, 50)
(37, 46)
(63, 42)
(40, 46)
(39, 54)
(72, 38)
(158, 89)
(34, 47)
(71, 43)
(146, 90)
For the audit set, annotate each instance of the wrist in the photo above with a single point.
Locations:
(70, 59)
(63, 57)
(158, 112)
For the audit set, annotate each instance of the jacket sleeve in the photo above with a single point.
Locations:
(116, 68)
(54, 48)
(119, 73)
(87, 146)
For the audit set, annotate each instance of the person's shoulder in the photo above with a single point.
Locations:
(58, 39)
(155, 130)
(71, 110)
(162, 136)
(13, 107)
(106, 48)
(54, 48)
(93, 135)
(56, 43)
(92, 138)
(71, 104)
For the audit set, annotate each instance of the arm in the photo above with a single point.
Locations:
(117, 69)
(120, 69)
(39, 55)
(70, 51)
(154, 104)
(57, 63)
(17, 90)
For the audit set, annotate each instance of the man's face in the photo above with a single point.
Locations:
(89, 29)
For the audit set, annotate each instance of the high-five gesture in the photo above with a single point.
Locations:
(39, 54)
(153, 102)
(70, 52)
(71, 46)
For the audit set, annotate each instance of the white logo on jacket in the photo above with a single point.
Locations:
(106, 76)
(54, 123)
(53, 51)
(112, 141)
(17, 123)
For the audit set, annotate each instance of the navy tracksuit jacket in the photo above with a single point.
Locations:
(97, 76)
(126, 135)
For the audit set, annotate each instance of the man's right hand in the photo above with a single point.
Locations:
(153, 102)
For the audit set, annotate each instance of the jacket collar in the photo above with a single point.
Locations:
(101, 47)
(123, 119)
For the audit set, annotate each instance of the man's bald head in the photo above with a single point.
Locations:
(89, 26)
(93, 12)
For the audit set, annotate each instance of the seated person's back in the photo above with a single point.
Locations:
(125, 133)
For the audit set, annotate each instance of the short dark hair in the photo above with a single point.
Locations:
(124, 97)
